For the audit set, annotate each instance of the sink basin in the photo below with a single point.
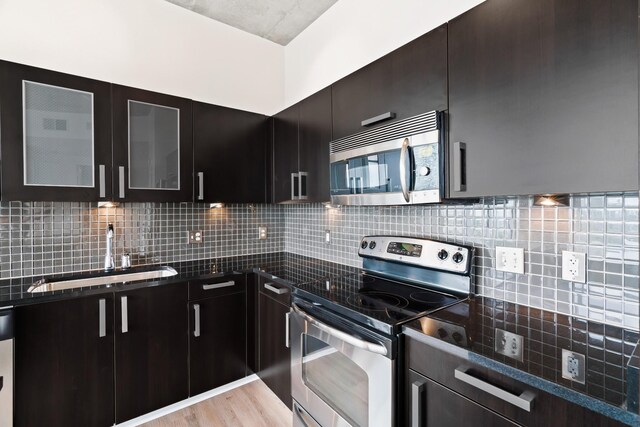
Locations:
(47, 285)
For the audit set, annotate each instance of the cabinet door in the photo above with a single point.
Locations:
(275, 356)
(285, 155)
(56, 135)
(217, 342)
(64, 363)
(408, 81)
(151, 349)
(430, 404)
(314, 138)
(544, 94)
(152, 146)
(230, 155)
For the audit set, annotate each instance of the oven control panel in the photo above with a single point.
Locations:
(422, 252)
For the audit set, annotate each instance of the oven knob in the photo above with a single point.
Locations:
(442, 332)
(364, 244)
(457, 257)
(443, 254)
(372, 245)
(457, 337)
(424, 171)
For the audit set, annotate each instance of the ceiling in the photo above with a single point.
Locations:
(277, 20)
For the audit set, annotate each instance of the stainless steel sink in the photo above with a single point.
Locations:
(47, 285)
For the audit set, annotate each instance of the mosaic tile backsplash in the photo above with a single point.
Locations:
(605, 227)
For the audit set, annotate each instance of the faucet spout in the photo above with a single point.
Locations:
(108, 258)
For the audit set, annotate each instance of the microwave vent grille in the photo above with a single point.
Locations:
(412, 126)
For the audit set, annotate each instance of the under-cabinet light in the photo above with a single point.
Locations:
(216, 205)
(108, 204)
(551, 200)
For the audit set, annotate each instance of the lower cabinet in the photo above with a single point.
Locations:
(64, 363)
(151, 364)
(274, 352)
(217, 332)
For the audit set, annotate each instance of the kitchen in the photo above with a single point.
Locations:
(510, 109)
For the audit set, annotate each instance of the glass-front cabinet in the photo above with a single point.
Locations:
(55, 135)
(152, 146)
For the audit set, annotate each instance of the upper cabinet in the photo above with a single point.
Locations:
(408, 81)
(56, 135)
(230, 155)
(152, 146)
(543, 97)
(301, 137)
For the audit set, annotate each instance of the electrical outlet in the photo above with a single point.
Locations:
(573, 366)
(509, 344)
(327, 236)
(574, 266)
(262, 233)
(195, 237)
(510, 259)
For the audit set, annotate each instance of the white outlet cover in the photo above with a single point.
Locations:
(574, 266)
(510, 259)
(573, 366)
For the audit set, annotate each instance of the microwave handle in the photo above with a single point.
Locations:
(403, 169)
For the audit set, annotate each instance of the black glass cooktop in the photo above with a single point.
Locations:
(374, 301)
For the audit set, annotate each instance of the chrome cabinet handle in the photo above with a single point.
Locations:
(287, 320)
(361, 185)
(295, 182)
(102, 317)
(343, 336)
(459, 166)
(275, 290)
(373, 120)
(302, 185)
(196, 312)
(200, 185)
(101, 179)
(218, 285)
(523, 401)
(403, 169)
(125, 314)
(417, 404)
(121, 182)
(352, 185)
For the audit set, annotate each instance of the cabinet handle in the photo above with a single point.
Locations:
(121, 182)
(200, 185)
(373, 120)
(459, 166)
(352, 185)
(102, 316)
(523, 401)
(417, 404)
(196, 327)
(275, 290)
(294, 186)
(125, 314)
(101, 180)
(403, 169)
(287, 320)
(218, 285)
(302, 185)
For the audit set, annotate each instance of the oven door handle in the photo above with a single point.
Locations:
(344, 336)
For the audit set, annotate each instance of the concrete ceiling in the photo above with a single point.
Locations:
(277, 20)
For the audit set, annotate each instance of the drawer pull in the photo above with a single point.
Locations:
(102, 318)
(523, 401)
(196, 317)
(218, 285)
(275, 290)
(417, 403)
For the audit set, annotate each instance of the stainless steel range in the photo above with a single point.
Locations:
(344, 330)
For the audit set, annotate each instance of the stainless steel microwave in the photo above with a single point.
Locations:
(398, 164)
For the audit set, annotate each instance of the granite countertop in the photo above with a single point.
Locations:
(612, 353)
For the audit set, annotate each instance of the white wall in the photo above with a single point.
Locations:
(151, 44)
(353, 33)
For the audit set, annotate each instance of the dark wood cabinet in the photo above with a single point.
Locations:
(274, 352)
(152, 146)
(151, 345)
(217, 332)
(544, 94)
(55, 135)
(410, 80)
(230, 155)
(301, 137)
(64, 363)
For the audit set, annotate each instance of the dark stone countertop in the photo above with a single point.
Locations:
(611, 383)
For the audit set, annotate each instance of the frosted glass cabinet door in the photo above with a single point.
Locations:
(55, 135)
(153, 147)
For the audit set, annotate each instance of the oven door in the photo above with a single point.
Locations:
(342, 374)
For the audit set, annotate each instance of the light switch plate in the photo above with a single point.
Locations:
(574, 266)
(262, 233)
(327, 236)
(510, 259)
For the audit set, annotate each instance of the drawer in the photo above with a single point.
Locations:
(275, 290)
(212, 287)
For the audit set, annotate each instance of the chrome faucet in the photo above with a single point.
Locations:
(108, 258)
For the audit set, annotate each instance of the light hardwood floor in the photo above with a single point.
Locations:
(250, 405)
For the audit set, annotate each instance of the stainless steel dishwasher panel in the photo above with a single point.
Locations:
(6, 369)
